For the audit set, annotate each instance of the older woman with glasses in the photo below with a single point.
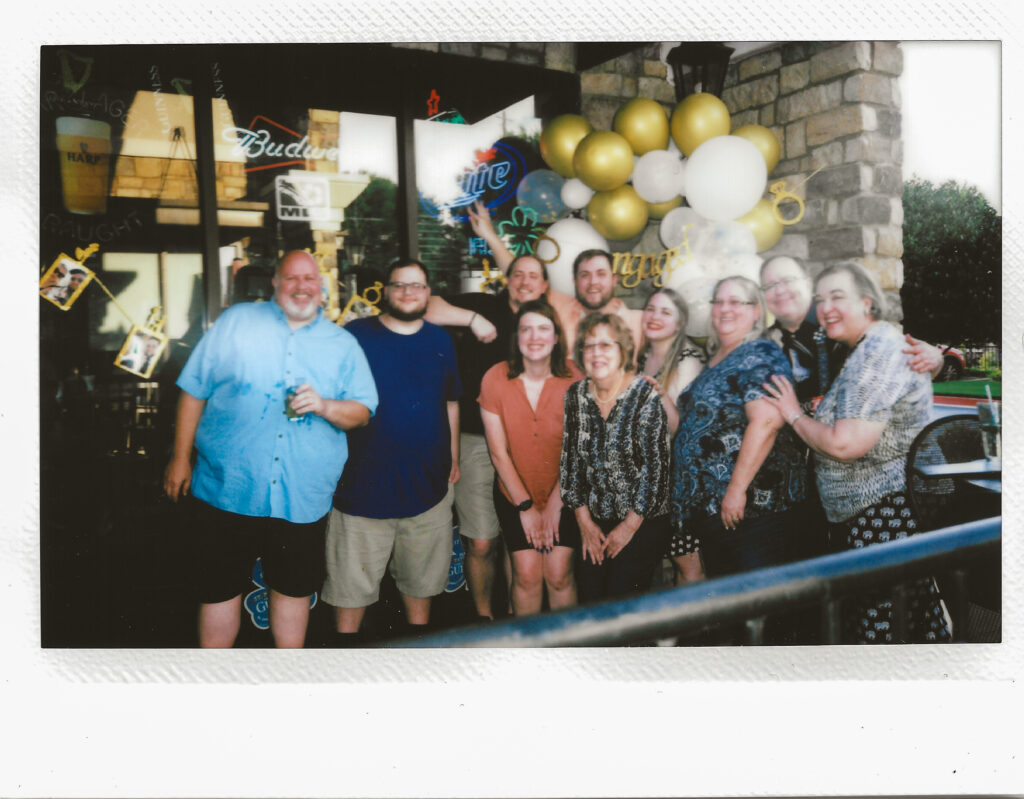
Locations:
(860, 435)
(814, 357)
(614, 464)
(738, 473)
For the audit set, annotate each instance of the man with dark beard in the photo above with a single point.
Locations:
(394, 500)
(263, 477)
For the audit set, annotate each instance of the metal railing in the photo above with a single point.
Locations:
(748, 597)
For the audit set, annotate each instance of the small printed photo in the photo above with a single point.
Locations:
(141, 351)
(64, 281)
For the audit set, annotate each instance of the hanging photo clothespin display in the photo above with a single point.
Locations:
(67, 278)
(492, 277)
(362, 305)
(144, 346)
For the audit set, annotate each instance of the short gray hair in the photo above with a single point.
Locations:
(863, 281)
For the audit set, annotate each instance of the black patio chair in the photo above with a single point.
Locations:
(945, 501)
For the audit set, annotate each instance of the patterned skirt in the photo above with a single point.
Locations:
(868, 618)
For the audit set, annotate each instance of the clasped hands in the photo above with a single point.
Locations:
(597, 545)
(541, 526)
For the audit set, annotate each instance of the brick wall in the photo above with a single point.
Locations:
(173, 179)
(834, 107)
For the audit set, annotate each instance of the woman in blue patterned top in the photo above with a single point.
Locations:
(860, 435)
(614, 464)
(738, 473)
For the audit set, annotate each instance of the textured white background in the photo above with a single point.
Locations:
(943, 720)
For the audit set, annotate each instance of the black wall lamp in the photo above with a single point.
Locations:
(707, 62)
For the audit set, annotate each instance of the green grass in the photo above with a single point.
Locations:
(968, 388)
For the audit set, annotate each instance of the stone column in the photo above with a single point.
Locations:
(835, 109)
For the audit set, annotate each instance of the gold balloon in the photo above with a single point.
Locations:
(558, 142)
(764, 140)
(603, 160)
(766, 228)
(644, 124)
(698, 118)
(618, 214)
(658, 210)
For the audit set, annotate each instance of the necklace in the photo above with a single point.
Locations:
(614, 395)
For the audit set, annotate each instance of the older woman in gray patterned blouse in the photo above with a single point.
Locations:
(860, 435)
(614, 464)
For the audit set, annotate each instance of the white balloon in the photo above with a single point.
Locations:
(658, 176)
(674, 230)
(576, 193)
(697, 294)
(680, 271)
(725, 178)
(732, 238)
(747, 265)
(573, 237)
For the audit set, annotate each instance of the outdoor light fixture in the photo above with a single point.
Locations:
(707, 62)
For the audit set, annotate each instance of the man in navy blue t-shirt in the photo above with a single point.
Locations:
(394, 499)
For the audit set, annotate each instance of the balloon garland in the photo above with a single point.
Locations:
(613, 183)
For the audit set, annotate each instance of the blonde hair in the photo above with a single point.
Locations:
(752, 292)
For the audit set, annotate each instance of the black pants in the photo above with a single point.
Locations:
(629, 572)
(753, 544)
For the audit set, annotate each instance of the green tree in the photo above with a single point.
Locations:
(371, 221)
(952, 261)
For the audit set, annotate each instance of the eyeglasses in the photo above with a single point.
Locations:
(413, 287)
(603, 347)
(731, 303)
(786, 282)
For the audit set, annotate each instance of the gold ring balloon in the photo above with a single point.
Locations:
(618, 214)
(698, 118)
(603, 160)
(766, 228)
(558, 142)
(553, 258)
(644, 124)
(765, 141)
(778, 190)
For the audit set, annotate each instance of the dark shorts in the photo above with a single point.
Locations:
(512, 528)
(226, 546)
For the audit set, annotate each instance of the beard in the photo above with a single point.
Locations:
(603, 301)
(404, 316)
(296, 312)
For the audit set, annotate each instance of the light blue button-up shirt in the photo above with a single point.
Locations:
(251, 459)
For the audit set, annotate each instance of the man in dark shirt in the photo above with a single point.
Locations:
(478, 523)
(815, 358)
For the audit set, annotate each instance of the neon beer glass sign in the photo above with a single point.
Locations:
(491, 181)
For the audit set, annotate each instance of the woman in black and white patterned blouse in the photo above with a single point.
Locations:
(614, 464)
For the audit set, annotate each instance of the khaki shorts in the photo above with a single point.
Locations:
(358, 550)
(474, 493)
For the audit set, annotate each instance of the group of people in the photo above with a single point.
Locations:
(591, 439)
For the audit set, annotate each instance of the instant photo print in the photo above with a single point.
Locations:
(141, 351)
(64, 281)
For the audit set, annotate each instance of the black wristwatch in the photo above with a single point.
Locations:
(526, 504)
